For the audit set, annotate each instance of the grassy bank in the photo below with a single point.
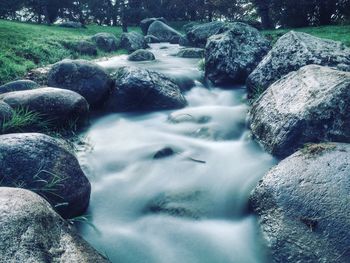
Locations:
(27, 46)
(337, 33)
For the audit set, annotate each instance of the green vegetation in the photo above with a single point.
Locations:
(337, 33)
(27, 46)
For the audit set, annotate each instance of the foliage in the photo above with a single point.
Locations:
(29, 46)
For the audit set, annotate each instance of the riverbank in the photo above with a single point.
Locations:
(28, 46)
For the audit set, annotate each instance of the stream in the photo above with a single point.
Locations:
(190, 206)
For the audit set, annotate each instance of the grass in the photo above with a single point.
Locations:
(26, 46)
(337, 33)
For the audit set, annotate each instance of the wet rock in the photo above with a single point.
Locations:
(6, 112)
(132, 41)
(151, 39)
(186, 28)
(230, 57)
(141, 55)
(185, 83)
(162, 31)
(82, 47)
(42, 164)
(58, 107)
(164, 153)
(138, 89)
(199, 34)
(293, 51)
(84, 77)
(71, 24)
(145, 23)
(303, 206)
(308, 105)
(175, 39)
(32, 232)
(106, 41)
(184, 42)
(191, 53)
(18, 85)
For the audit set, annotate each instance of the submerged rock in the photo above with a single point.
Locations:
(106, 41)
(163, 32)
(84, 77)
(138, 89)
(32, 232)
(42, 164)
(293, 51)
(309, 105)
(18, 85)
(164, 153)
(145, 23)
(303, 206)
(57, 107)
(141, 55)
(230, 57)
(132, 41)
(191, 53)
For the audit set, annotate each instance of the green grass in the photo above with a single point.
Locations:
(337, 33)
(26, 46)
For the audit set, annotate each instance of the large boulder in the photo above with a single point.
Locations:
(191, 53)
(132, 41)
(84, 77)
(106, 41)
(303, 206)
(71, 24)
(309, 105)
(231, 56)
(163, 32)
(198, 35)
(151, 39)
(138, 89)
(141, 55)
(18, 85)
(145, 23)
(57, 107)
(6, 113)
(293, 51)
(32, 232)
(46, 166)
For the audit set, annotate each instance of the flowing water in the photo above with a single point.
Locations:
(190, 206)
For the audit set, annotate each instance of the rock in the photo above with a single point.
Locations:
(309, 105)
(184, 42)
(39, 75)
(84, 77)
(132, 41)
(71, 24)
(191, 53)
(6, 112)
(83, 47)
(231, 56)
(145, 23)
(303, 206)
(18, 85)
(141, 55)
(175, 39)
(106, 41)
(151, 39)
(293, 51)
(32, 232)
(186, 28)
(198, 35)
(140, 89)
(60, 108)
(162, 31)
(164, 153)
(42, 164)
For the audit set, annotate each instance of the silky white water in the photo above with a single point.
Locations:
(190, 206)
